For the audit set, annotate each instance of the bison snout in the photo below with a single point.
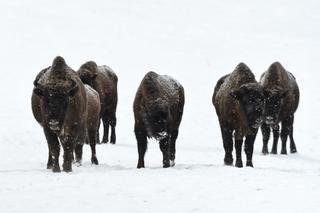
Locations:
(269, 120)
(54, 125)
(257, 123)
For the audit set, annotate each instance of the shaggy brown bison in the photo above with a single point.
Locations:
(158, 109)
(104, 81)
(282, 99)
(239, 102)
(68, 111)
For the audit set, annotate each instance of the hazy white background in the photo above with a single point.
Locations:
(195, 42)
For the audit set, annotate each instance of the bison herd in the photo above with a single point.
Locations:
(69, 105)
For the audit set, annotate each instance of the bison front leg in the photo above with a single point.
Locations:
(142, 146)
(78, 151)
(275, 130)
(265, 129)
(238, 145)
(248, 148)
(54, 151)
(68, 147)
(165, 149)
(227, 145)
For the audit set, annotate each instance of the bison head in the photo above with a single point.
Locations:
(274, 99)
(251, 100)
(88, 72)
(86, 76)
(55, 101)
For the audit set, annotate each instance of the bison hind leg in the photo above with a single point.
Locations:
(113, 124)
(141, 137)
(78, 153)
(94, 159)
(92, 134)
(105, 137)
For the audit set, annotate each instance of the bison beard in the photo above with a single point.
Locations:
(158, 109)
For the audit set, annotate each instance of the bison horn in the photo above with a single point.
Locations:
(73, 88)
(38, 90)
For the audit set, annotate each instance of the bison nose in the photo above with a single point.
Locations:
(257, 124)
(259, 121)
(269, 120)
(54, 124)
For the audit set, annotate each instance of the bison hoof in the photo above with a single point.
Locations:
(283, 152)
(239, 163)
(167, 165)
(293, 150)
(140, 166)
(56, 169)
(172, 163)
(228, 161)
(49, 166)
(78, 163)
(140, 163)
(249, 164)
(94, 160)
(265, 151)
(274, 152)
(67, 167)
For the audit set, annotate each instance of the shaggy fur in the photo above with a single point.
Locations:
(238, 100)
(282, 100)
(104, 81)
(68, 112)
(158, 109)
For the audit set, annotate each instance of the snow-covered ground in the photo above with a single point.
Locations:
(196, 42)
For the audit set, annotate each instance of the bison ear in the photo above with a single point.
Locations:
(236, 94)
(38, 91)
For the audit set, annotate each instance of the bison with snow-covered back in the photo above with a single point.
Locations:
(282, 99)
(158, 109)
(104, 81)
(68, 111)
(239, 102)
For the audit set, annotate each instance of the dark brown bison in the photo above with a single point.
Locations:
(104, 81)
(68, 111)
(239, 102)
(158, 109)
(282, 100)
